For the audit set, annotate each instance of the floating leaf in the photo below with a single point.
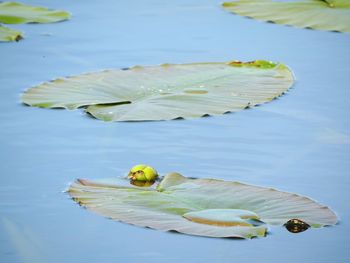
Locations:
(333, 15)
(8, 34)
(166, 92)
(203, 207)
(17, 13)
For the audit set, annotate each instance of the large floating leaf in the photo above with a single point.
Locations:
(166, 92)
(333, 15)
(8, 34)
(203, 207)
(17, 13)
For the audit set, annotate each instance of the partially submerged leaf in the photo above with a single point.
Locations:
(8, 34)
(222, 217)
(204, 207)
(18, 13)
(332, 15)
(166, 92)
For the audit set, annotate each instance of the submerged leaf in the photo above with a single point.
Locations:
(222, 217)
(332, 15)
(8, 34)
(18, 13)
(166, 92)
(203, 207)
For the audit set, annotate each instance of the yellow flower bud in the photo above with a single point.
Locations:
(143, 172)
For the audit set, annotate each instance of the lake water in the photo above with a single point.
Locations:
(298, 143)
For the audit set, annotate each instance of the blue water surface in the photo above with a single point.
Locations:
(298, 143)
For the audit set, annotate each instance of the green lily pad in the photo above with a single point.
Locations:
(8, 34)
(203, 207)
(332, 15)
(18, 13)
(165, 92)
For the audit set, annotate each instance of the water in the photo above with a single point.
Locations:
(298, 143)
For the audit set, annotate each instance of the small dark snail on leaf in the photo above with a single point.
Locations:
(296, 225)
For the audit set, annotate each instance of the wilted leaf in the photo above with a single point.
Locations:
(166, 92)
(17, 13)
(203, 207)
(8, 34)
(333, 15)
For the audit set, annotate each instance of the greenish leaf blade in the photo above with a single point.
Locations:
(222, 217)
(8, 34)
(150, 208)
(18, 13)
(166, 92)
(273, 207)
(178, 202)
(315, 14)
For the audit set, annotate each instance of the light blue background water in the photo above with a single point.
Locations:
(298, 143)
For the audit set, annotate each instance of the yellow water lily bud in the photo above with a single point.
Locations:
(142, 183)
(142, 172)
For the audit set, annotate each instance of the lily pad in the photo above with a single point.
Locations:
(203, 207)
(165, 92)
(8, 34)
(18, 13)
(332, 15)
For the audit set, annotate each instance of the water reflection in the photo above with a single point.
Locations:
(26, 244)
